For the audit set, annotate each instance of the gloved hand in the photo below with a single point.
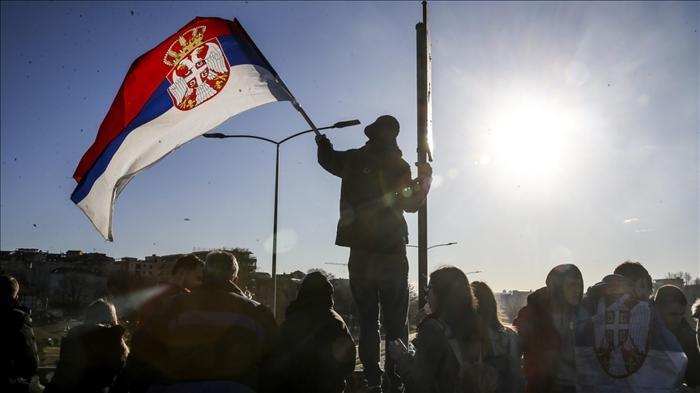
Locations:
(424, 169)
(322, 139)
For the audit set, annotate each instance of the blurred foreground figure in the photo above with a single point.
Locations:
(145, 362)
(92, 354)
(501, 347)
(376, 189)
(449, 349)
(672, 305)
(696, 316)
(622, 344)
(315, 352)
(546, 329)
(18, 355)
(216, 339)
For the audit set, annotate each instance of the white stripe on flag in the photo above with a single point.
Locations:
(152, 141)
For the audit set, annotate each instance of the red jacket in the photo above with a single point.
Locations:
(541, 342)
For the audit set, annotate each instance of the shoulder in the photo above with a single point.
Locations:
(431, 327)
(18, 318)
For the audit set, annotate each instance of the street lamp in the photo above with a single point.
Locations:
(218, 135)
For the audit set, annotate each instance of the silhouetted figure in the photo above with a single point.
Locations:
(622, 344)
(92, 354)
(672, 305)
(186, 275)
(315, 352)
(217, 339)
(376, 189)
(501, 343)
(638, 276)
(695, 310)
(546, 329)
(143, 366)
(448, 348)
(18, 355)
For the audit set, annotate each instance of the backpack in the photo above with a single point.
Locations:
(474, 376)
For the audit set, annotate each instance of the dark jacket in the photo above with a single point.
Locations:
(91, 357)
(314, 353)
(215, 334)
(144, 364)
(376, 189)
(540, 341)
(434, 366)
(18, 354)
(686, 337)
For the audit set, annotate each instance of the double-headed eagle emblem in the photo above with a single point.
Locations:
(200, 69)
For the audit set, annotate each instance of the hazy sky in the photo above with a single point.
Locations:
(564, 132)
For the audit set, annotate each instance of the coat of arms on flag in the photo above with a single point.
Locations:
(207, 72)
(621, 333)
(200, 69)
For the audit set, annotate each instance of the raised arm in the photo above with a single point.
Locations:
(331, 160)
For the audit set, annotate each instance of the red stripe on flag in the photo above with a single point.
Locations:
(143, 78)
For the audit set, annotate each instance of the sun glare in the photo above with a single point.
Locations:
(528, 139)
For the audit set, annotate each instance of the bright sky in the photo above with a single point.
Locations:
(564, 132)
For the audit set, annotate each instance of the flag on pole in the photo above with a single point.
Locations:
(207, 72)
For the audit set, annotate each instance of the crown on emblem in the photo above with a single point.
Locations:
(184, 44)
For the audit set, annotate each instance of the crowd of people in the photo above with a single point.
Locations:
(202, 333)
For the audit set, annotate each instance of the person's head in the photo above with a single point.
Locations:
(220, 266)
(565, 283)
(101, 312)
(315, 290)
(188, 272)
(638, 276)
(487, 307)
(9, 288)
(671, 304)
(384, 129)
(451, 299)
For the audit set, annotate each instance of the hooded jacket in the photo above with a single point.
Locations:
(18, 356)
(541, 342)
(315, 352)
(91, 357)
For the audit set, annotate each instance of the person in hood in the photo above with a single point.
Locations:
(376, 190)
(92, 354)
(18, 356)
(546, 329)
(315, 352)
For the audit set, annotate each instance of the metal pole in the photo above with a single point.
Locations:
(422, 131)
(274, 233)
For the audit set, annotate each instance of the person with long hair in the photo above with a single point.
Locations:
(501, 346)
(92, 354)
(448, 348)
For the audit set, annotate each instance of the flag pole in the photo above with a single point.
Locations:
(422, 79)
(298, 107)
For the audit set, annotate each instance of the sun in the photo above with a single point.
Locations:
(528, 138)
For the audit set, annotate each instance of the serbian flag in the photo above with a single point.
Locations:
(207, 72)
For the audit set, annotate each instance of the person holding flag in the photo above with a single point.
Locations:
(376, 189)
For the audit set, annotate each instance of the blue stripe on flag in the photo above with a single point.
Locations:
(159, 103)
